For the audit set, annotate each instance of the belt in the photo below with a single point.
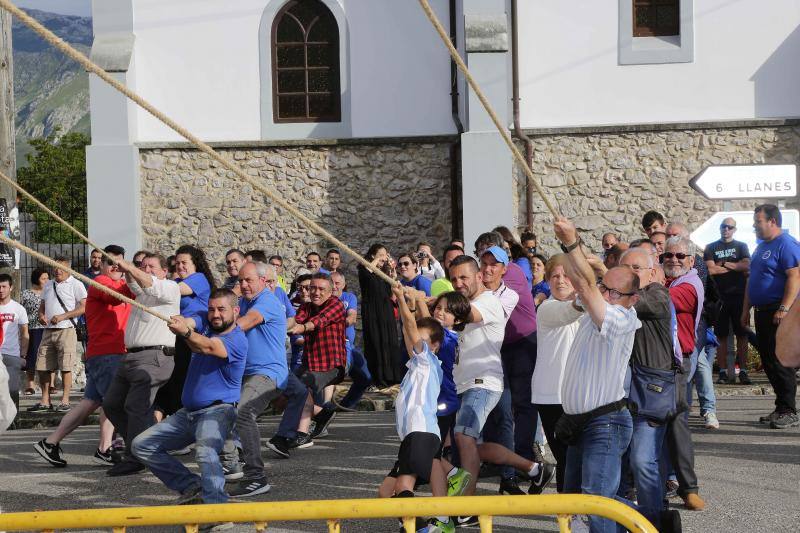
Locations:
(168, 350)
(768, 307)
(216, 402)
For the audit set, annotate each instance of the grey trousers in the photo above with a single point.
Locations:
(257, 392)
(128, 402)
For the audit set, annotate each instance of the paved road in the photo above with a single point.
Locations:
(750, 475)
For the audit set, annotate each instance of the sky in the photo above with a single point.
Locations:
(81, 8)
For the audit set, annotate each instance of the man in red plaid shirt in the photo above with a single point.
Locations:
(322, 321)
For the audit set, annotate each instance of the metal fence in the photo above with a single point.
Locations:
(50, 241)
(333, 512)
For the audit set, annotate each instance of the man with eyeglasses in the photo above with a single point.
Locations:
(322, 322)
(728, 263)
(687, 294)
(277, 263)
(593, 387)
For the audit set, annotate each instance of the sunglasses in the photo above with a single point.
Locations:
(404, 263)
(614, 293)
(726, 226)
(669, 255)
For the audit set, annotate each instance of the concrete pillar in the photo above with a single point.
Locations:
(486, 163)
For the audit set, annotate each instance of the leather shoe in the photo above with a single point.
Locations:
(694, 502)
(125, 468)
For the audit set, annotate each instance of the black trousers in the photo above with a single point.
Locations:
(781, 378)
(549, 415)
(679, 441)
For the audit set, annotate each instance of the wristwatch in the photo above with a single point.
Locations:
(568, 249)
(188, 333)
(783, 309)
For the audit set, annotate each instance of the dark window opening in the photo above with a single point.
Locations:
(656, 18)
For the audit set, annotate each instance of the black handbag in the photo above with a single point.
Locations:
(654, 393)
(80, 325)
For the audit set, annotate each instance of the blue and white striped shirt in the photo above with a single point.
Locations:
(598, 359)
(416, 404)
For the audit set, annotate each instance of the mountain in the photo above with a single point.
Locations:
(50, 90)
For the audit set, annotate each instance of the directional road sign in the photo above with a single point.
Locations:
(729, 182)
(708, 231)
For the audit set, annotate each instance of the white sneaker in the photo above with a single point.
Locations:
(711, 420)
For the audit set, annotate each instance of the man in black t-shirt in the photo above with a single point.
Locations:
(728, 263)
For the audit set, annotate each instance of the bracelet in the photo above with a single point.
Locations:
(305, 329)
(188, 333)
(568, 248)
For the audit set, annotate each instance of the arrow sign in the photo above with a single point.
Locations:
(730, 182)
(708, 231)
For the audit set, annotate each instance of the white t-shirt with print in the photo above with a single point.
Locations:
(478, 364)
(13, 315)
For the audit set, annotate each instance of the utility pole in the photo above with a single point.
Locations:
(8, 163)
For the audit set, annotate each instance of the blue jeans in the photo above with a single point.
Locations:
(100, 372)
(499, 428)
(594, 464)
(647, 467)
(359, 372)
(476, 404)
(208, 428)
(704, 381)
(296, 392)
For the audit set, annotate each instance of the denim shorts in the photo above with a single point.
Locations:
(476, 404)
(100, 370)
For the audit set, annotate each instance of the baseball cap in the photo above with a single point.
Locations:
(499, 254)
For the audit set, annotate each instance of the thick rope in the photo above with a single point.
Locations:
(486, 105)
(52, 214)
(53, 39)
(55, 264)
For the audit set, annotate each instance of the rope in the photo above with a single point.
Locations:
(52, 214)
(90, 66)
(486, 105)
(85, 279)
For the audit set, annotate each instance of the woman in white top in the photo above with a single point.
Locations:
(557, 323)
(429, 267)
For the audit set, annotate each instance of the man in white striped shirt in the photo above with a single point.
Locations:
(594, 375)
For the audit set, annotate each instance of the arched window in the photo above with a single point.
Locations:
(305, 64)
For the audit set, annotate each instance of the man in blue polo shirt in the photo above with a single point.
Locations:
(210, 394)
(772, 288)
(263, 319)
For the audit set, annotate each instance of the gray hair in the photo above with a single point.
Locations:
(639, 250)
(262, 269)
(678, 241)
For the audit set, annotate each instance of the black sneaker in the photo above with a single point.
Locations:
(302, 441)
(671, 489)
(125, 468)
(510, 486)
(40, 408)
(767, 419)
(540, 480)
(744, 379)
(488, 470)
(279, 445)
(785, 420)
(252, 487)
(107, 458)
(323, 420)
(50, 453)
(233, 471)
(465, 521)
(190, 497)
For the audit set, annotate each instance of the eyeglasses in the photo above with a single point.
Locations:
(726, 226)
(614, 293)
(317, 288)
(404, 263)
(669, 255)
(270, 281)
(303, 287)
(276, 264)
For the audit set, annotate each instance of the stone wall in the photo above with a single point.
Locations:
(606, 181)
(390, 193)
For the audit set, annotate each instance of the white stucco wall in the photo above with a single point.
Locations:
(198, 60)
(745, 65)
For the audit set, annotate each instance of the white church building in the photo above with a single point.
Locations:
(350, 110)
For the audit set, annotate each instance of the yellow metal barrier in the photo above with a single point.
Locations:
(333, 511)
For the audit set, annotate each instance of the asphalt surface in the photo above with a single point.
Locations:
(749, 474)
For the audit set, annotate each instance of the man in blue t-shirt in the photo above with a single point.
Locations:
(772, 288)
(210, 394)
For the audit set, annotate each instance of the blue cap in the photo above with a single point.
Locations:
(499, 254)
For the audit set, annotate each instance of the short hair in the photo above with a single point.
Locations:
(339, 275)
(650, 217)
(551, 264)
(36, 274)
(432, 325)
(410, 255)
(632, 251)
(453, 248)
(463, 260)
(140, 252)
(279, 258)
(234, 251)
(656, 233)
(527, 235)
(540, 257)
(8, 278)
(490, 238)
(677, 240)
(162, 261)
(457, 304)
(258, 256)
(332, 251)
(114, 249)
(302, 277)
(322, 275)
(262, 268)
(424, 243)
(309, 254)
(611, 233)
(218, 293)
(771, 212)
(633, 279)
(98, 250)
(638, 242)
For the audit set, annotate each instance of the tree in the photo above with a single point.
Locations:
(56, 175)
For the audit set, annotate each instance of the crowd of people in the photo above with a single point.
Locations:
(491, 355)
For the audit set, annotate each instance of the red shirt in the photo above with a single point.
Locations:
(324, 348)
(106, 318)
(684, 298)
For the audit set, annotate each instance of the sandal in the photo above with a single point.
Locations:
(29, 392)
